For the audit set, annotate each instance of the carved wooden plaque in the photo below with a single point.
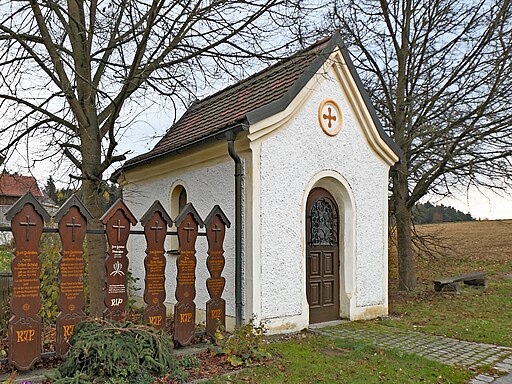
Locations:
(216, 223)
(27, 219)
(155, 222)
(25, 341)
(117, 222)
(188, 223)
(72, 218)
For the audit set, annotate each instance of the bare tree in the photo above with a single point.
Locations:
(72, 71)
(439, 74)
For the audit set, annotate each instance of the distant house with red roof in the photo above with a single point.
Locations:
(13, 186)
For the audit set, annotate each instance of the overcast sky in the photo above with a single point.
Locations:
(483, 204)
(486, 205)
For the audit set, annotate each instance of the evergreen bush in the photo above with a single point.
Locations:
(108, 352)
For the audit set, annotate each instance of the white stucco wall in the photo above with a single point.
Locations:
(285, 158)
(290, 158)
(213, 184)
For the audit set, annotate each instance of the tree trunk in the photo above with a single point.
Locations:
(96, 248)
(93, 200)
(403, 214)
(406, 264)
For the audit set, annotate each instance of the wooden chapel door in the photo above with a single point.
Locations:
(322, 257)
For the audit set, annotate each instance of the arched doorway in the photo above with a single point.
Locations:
(322, 257)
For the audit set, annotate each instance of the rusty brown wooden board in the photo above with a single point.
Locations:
(117, 222)
(216, 306)
(185, 309)
(72, 219)
(155, 223)
(27, 221)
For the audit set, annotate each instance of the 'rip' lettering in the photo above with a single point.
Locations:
(216, 313)
(156, 320)
(25, 335)
(68, 330)
(116, 302)
(185, 317)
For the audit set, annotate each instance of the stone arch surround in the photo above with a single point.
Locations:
(338, 187)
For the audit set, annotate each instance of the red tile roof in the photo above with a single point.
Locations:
(254, 99)
(222, 110)
(17, 185)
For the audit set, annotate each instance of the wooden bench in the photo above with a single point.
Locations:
(477, 279)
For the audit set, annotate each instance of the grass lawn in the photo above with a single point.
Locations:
(317, 359)
(473, 314)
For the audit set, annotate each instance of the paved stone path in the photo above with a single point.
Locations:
(439, 348)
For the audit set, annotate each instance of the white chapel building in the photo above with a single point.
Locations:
(312, 164)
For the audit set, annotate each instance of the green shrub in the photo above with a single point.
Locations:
(133, 309)
(244, 346)
(49, 253)
(5, 260)
(189, 362)
(184, 366)
(5, 266)
(103, 351)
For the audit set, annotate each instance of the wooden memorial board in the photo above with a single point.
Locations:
(187, 223)
(117, 222)
(155, 222)
(216, 224)
(27, 218)
(72, 218)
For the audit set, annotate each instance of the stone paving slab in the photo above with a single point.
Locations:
(446, 350)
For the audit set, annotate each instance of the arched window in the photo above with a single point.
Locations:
(178, 200)
(182, 199)
(324, 222)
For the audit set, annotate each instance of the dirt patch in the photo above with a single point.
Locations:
(211, 365)
(335, 351)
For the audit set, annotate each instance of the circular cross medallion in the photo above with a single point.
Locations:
(329, 117)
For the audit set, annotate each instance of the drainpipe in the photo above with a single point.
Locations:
(230, 136)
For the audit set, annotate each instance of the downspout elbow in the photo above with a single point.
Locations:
(230, 136)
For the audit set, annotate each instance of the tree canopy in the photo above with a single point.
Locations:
(73, 73)
(439, 74)
(428, 214)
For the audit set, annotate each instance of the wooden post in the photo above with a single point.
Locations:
(27, 218)
(117, 222)
(188, 223)
(72, 218)
(216, 224)
(155, 222)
